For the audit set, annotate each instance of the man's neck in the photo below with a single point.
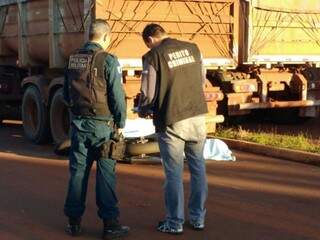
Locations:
(96, 42)
(164, 37)
(161, 40)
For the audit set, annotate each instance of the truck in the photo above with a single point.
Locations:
(257, 54)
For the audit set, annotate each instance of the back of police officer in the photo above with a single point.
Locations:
(93, 90)
(172, 92)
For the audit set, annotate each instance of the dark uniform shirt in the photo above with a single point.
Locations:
(116, 96)
(172, 79)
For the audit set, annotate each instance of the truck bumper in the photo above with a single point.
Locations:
(278, 104)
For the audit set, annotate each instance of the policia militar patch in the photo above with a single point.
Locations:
(79, 61)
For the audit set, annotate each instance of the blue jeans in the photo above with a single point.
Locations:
(186, 137)
(87, 136)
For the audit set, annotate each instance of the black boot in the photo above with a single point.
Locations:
(114, 230)
(74, 227)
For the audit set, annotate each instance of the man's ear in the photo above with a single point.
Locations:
(150, 40)
(107, 39)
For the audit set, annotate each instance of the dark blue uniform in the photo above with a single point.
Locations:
(87, 135)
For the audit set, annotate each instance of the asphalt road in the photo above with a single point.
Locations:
(254, 198)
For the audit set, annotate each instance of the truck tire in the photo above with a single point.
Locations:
(34, 116)
(59, 118)
(136, 149)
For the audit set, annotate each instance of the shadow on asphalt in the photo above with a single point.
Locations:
(13, 141)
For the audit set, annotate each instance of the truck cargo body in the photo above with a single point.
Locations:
(261, 55)
(278, 59)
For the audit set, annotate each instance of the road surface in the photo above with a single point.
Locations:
(254, 198)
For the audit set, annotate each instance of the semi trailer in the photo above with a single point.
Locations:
(257, 54)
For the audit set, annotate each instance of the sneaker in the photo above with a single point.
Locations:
(114, 230)
(74, 227)
(196, 226)
(166, 228)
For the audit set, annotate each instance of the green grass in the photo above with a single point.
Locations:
(297, 142)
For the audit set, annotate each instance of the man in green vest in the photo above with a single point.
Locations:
(93, 90)
(172, 93)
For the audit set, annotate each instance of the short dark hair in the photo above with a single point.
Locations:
(152, 30)
(98, 29)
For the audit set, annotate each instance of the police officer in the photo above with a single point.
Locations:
(172, 93)
(94, 93)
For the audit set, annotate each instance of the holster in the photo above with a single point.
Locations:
(115, 149)
(104, 150)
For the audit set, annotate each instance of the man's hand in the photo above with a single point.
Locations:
(143, 114)
(147, 115)
(117, 134)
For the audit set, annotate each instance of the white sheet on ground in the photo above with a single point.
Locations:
(214, 149)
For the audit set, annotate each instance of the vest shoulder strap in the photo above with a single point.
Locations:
(98, 64)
